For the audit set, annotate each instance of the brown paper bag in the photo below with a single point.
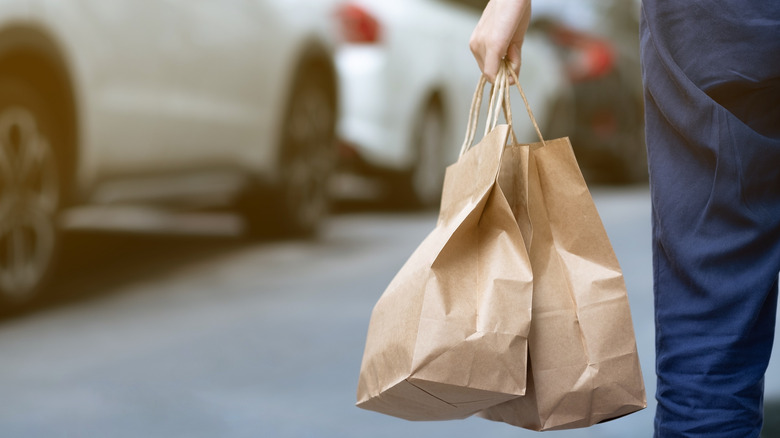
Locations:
(448, 337)
(584, 366)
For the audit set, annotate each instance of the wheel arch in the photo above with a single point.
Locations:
(436, 96)
(31, 54)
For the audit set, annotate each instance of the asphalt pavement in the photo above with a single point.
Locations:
(159, 333)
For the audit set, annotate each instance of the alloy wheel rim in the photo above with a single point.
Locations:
(309, 162)
(29, 198)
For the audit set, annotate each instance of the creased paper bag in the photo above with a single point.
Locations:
(583, 362)
(448, 337)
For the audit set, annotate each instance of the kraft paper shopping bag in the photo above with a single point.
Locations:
(448, 337)
(584, 366)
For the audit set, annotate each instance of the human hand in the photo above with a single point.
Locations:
(499, 34)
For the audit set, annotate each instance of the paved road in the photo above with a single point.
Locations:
(211, 336)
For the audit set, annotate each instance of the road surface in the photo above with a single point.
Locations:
(159, 334)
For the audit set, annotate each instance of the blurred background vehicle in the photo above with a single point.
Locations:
(598, 42)
(407, 78)
(176, 103)
(249, 104)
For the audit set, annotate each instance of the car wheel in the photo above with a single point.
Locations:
(307, 159)
(423, 184)
(29, 192)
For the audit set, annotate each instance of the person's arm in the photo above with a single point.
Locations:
(500, 33)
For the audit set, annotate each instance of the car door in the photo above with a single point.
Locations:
(225, 74)
(181, 87)
(126, 52)
(179, 93)
(244, 54)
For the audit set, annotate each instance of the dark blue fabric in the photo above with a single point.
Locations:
(711, 72)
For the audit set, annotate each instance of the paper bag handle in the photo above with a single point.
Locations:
(498, 90)
(476, 104)
(497, 100)
(525, 101)
(499, 97)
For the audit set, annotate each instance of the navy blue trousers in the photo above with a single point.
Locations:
(711, 72)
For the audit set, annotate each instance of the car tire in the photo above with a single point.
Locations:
(300, 202)
(30, 192)
(421, 187)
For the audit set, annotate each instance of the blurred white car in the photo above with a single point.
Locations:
(166, 101)
(407, 78)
